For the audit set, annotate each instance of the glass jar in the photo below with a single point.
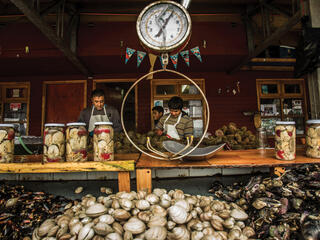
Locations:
(76, 142)
(6, 143)
(262, 138)
(313, 138)
(53, 142)
(103, 142)
(285, 140)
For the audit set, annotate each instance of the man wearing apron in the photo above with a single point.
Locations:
(177, 124)
(99, 112)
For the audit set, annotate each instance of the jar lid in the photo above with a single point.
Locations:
(261, 129)
(103, 123)
(54, 125)
(76, 124)
(313, 121)
(7, 125)
(285, 122)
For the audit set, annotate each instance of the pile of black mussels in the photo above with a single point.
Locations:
(22, 210)
(280, 207)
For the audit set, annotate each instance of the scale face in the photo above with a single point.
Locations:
(164, 26)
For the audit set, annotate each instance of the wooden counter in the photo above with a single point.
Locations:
(222, 159)
(123, 164)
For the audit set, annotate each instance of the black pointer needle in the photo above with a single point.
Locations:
(164, 25)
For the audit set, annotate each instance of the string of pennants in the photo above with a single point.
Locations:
(174, 58)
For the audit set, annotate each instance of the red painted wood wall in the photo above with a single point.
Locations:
(100, 50)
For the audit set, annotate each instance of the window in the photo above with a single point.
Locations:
(281, 99)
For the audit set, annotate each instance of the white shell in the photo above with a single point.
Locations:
(143, 204)
(152, 198)
(113, 236)
(159, 191)
(102, 228)
(157, 221)
(46, 226)
(96, 210)
(121, 214)
(178, 214)
(78, 190)
(156, 233)
(238, 214)
(106, 218)
(126, 204)
(134, 225)
(86, 232)
(179, 233)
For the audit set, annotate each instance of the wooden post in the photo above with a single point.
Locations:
(144, 180)
(314, 77)
(124, 181)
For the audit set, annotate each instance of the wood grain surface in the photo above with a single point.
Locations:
(229, 159)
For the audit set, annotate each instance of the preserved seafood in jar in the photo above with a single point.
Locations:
(6, 143)
(285, 140)
(313, 138)
(54, 142)
(76, 142)
(103, 142)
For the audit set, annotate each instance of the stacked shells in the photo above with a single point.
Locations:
(285, 140)
(103, 142)
(76, 142)
(157, 216)
(6, 143)
(313, 139)
(54, 142)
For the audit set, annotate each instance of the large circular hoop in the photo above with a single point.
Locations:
(189, 79)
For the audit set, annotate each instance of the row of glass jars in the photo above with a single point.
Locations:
(285, 139)
(73, 142)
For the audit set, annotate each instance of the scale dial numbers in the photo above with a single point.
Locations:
(163, 26)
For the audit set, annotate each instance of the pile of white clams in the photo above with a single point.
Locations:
(156, 216)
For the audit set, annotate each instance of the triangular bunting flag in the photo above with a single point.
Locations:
(152, 59)
(196, 52)
(140, 57)
(174, 60)
(161, 61)
(129, 53)
(185, 56)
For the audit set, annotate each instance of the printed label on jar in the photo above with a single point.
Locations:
(285, 142)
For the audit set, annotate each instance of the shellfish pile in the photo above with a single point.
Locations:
(157, 216)
(284, 207)
(54, 144)
(76, 145)
(6, 144)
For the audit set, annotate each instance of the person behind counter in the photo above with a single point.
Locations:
(99, 112)
(176, 124)
(157, 113)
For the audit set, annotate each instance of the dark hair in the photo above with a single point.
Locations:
(97, 93)
(175, 103)
(159, 109)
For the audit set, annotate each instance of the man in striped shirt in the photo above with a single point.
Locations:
(177, 124)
